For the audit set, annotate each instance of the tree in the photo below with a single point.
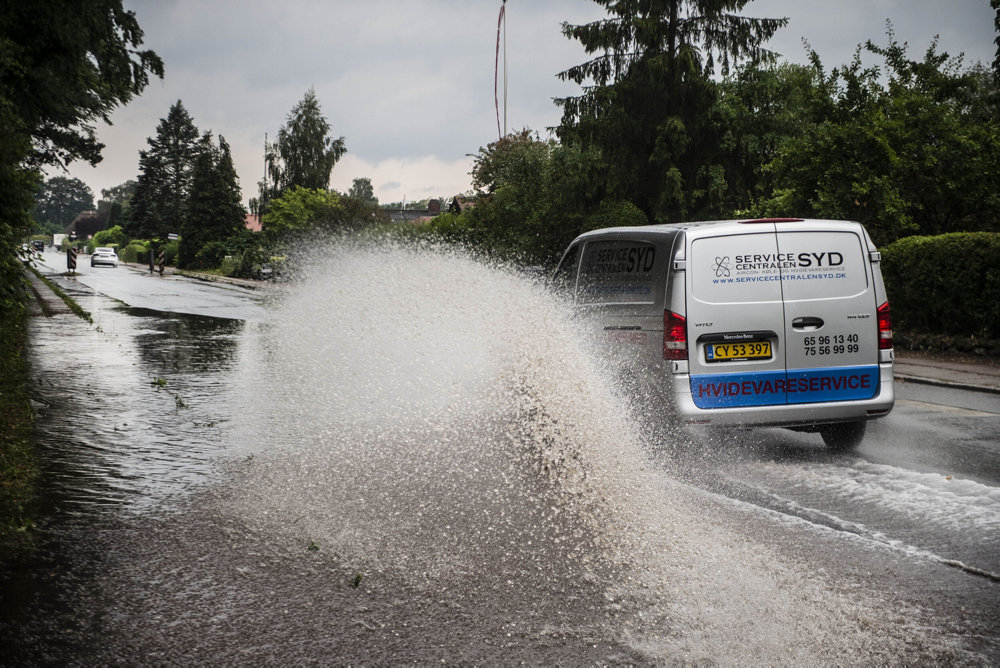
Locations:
(913, 148)
(649, 104)
(995, 4)
(361, 189)
(534, 197)
(121, 194)
(302, 210)
(760, 108)
(303, 155)
(159, 206)
(60, 200)
(115, 202)
(215, 211)
(63, 66)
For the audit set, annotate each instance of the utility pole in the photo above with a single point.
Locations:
(504, 8)
(501, 39)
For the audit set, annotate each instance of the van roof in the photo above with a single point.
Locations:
(658, 229)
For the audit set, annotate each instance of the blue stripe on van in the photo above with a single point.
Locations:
(728, 390)
(770, 388)
(848, 383)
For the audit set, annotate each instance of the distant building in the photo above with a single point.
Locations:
(253, 222)
(415, 215)
(460, 204)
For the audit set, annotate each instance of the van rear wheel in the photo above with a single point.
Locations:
(843, 436)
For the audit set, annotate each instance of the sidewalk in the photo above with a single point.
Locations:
(208, 278)
(977, 373)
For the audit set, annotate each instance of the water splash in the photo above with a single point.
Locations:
(446, 421)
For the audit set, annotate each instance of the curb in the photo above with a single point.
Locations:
(937, 382)
(207, 278)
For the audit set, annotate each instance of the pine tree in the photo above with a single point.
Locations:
(649, 101)
(215, 211)
(165, 170)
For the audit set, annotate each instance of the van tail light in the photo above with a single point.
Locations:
(884, 327)
(675, 340)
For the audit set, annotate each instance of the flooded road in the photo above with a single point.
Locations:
(424, 463)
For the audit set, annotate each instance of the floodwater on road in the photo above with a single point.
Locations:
(414, 457)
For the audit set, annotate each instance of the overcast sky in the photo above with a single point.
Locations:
(409, 84)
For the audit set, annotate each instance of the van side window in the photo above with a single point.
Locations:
(565, 274)
(617, 272)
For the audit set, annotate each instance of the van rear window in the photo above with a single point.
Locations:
(617, 272)
(826, 265)
(767, 267)
(735, 268)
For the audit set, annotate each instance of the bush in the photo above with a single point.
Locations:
(135, 252)
(113, 237)
(947, 284)
(211, 255)
(173, 247)
(613, 213)
(229, 265)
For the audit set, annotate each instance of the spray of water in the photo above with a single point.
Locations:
(445, 420)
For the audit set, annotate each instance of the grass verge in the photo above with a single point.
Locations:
(18, 462)
(76, 308)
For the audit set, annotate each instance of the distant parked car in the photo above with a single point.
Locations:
(104, 255)
(38, 245)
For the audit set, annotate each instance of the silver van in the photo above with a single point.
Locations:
(768, 322)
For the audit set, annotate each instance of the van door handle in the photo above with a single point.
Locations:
(807, 324)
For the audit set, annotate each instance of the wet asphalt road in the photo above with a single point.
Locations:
(200, 514)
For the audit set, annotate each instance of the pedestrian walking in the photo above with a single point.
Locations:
(150, 261)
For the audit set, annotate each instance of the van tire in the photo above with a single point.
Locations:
(843, 436)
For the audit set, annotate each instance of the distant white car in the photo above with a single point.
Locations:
(104, 255)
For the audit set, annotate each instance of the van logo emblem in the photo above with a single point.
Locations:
(721, 266)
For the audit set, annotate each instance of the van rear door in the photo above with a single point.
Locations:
(831, 325)
(735, 316)
(780, 312)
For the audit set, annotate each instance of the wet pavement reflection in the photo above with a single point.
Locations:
(130, 413)
(130, 416)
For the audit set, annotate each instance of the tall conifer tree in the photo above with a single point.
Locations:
(215, 211)
(165, 170)
(649, 102)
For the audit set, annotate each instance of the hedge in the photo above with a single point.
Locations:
(947, 284)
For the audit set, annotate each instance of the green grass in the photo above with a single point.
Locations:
(70, 302)
(18, 462)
